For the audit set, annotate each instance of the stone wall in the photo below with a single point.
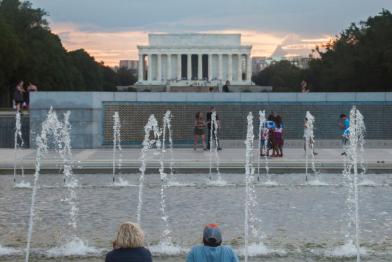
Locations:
(91, 113)
(7, 127)
(86, 114)
(233, 119)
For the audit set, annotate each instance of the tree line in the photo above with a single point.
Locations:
(359, 59)
(30, 51)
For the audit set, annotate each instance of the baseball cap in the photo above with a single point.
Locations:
(212, 234)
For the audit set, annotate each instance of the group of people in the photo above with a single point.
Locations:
(271, 137)
(129, 246)
(212, 129)
(22, 95)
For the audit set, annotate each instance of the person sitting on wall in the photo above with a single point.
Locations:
(18, 95)
(30, 88)
(212, 249)
(129, 245)
(304, 87)
(225, 88)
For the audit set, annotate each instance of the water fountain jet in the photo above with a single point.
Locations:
(252, 222)
(17, 146)
(354, 150)
(214, 137)
(148, 142)
(60, 134)
(309, 147)
(116, 144)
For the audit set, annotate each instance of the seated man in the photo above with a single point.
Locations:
(212, 250)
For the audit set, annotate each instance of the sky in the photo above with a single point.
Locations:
(111, 30)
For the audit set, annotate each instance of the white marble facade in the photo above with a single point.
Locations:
(194, 59)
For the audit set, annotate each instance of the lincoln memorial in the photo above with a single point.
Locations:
(194, 60)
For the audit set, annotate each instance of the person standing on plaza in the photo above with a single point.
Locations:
(212, 249)
(198, 131)
(264, 141)
(18, 95)
(344, 125)
(271, 144)
(211, 128)
(278, 133)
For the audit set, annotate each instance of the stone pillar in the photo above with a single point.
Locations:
(248, 68)
(179, 67)
(159, 71)
(149, 72)
(239, 72)
(200, 66)
(189, 71)
(230, 67)
(141, 68)
(169, 67)
(209, 67)
(220, 69)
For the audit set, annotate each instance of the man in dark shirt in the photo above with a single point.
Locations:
(212, 128)
(225, 88)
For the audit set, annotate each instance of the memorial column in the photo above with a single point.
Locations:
(230, 67)
(149, 68)
(179, 67)
(239, 72)
(189, 71)
(159, 71)
(248, 68)
(220, 67)
(141, 68)
(209, 67)
(169, 67)
(200, 66)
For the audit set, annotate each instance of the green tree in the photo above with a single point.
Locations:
(11, 54)
(359, 59)
(125, 77)
(282, 76)
(30, 51)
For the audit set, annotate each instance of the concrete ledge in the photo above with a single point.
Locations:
(69, 100)
(186, 159)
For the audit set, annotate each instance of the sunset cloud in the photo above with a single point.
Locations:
(111, 30)
(111, 47)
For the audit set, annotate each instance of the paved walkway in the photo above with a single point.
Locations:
(294, 158)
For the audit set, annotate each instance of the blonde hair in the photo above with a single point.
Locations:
(129, 235)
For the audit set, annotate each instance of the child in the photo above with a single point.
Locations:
(278, 133)
(264, 141)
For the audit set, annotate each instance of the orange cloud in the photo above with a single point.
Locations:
(111, 47)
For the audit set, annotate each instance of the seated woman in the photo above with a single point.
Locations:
(129, 245)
